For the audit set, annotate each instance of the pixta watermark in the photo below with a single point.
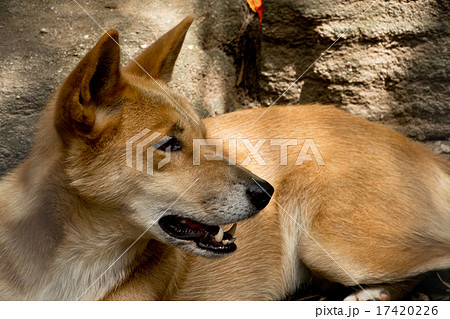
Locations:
(141, 147)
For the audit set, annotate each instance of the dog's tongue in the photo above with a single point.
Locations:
(197, 226)
(205, 236)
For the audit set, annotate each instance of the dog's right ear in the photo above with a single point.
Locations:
(159, 59)
(93, 85)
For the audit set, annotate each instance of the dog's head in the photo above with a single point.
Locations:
(129, 143)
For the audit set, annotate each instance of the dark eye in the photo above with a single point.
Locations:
(168, 144)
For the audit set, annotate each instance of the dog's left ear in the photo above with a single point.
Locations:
(93, 85)
(159, 59)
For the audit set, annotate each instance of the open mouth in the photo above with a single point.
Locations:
(212, 238)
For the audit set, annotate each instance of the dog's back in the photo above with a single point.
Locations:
(376, 212)
(374, 208)
(380, 202)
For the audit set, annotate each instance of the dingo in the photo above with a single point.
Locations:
(74, 215)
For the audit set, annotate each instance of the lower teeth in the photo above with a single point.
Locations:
(228, 241)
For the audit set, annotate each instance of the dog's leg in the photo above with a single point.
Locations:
(385, 234)
(387, 292)
(369, 294)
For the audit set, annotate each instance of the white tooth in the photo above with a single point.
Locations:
(228, 241)
(219, 235)
(232, 230)
(183, 221)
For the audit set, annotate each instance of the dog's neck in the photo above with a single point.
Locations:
(163, 268)
(55, 245)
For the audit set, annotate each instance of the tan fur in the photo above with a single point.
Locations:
(380, 206)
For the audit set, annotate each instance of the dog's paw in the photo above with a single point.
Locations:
(369, 294)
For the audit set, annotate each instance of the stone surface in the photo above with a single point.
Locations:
(391, 66)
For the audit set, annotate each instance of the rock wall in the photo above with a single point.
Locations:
(391, 66)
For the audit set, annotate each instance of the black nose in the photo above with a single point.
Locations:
(260, 193)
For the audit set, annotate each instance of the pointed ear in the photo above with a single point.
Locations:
(94, 83)
(159, 59)
(101, 69)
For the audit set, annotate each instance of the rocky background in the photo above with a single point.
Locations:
(391, 66)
